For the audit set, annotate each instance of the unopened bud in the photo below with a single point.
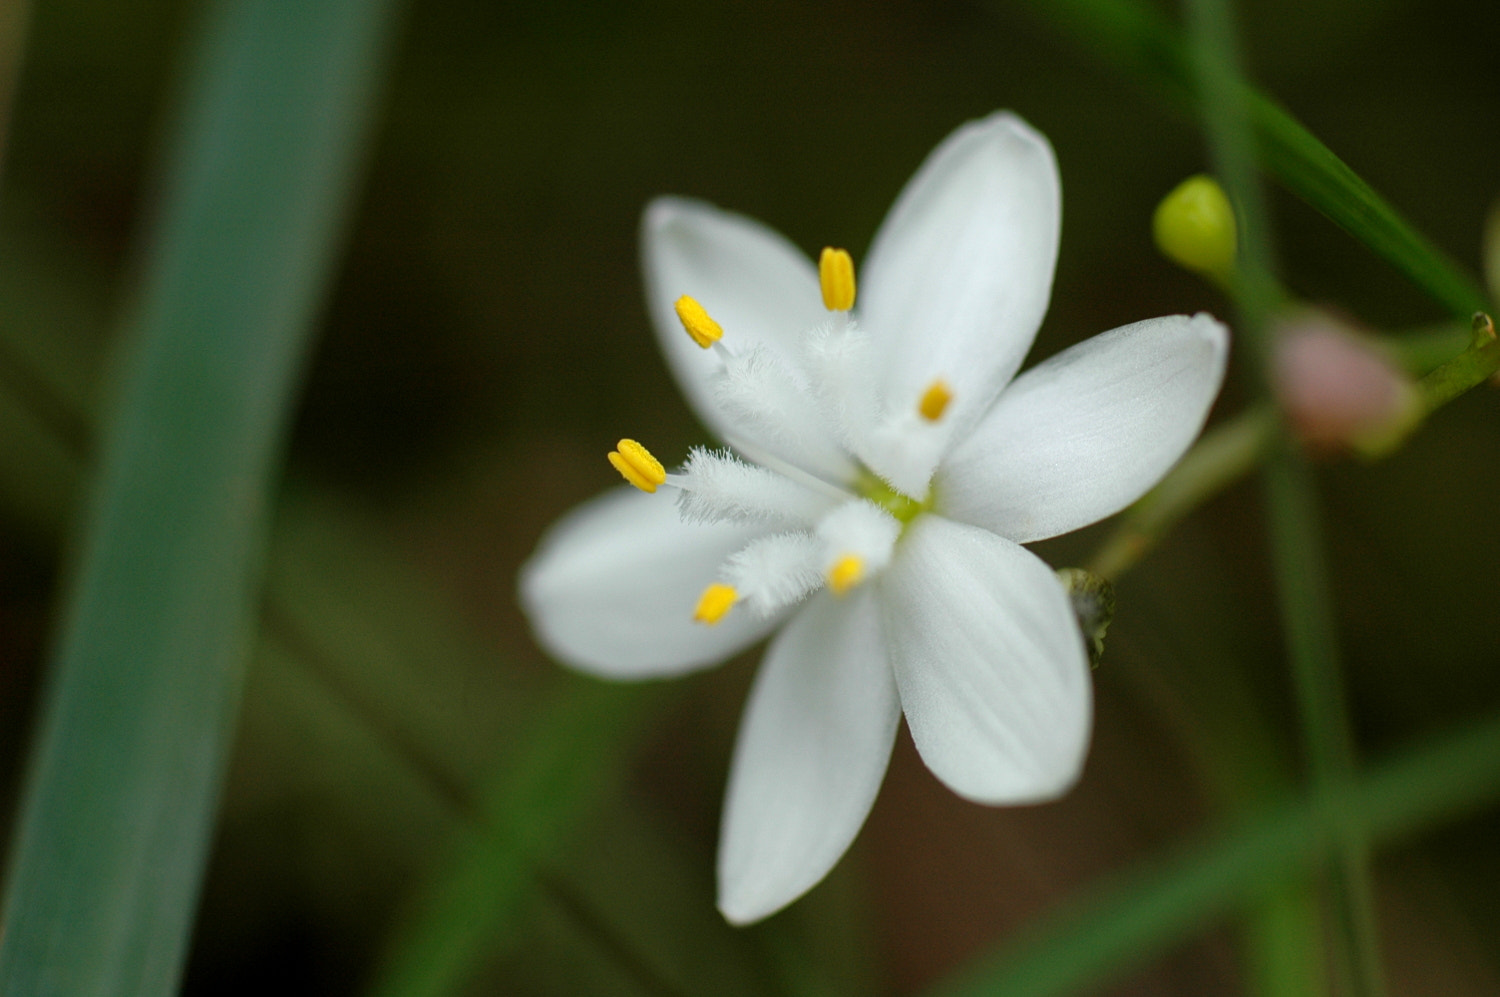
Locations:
(1194, 227)
(1339, 390)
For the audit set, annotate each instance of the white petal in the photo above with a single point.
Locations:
(811, 753)
(1086, 433)
(751, 280)
(612, 587)
(960, 273)
(990, 663)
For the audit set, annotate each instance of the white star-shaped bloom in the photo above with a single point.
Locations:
(885, 466)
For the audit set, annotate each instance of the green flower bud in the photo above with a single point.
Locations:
(1194, 227)
(1093, 601)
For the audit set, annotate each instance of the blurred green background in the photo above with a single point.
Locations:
(486, 342)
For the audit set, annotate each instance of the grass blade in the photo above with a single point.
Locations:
(124, 778)
(1140, 40)
(469, 910)
(1119, 926)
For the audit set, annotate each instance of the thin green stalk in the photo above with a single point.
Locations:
(1298, 561)
(1474, 366)
(1307, 619)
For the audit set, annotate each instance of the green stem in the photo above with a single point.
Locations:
(1307, 619)
(1471, 368)
(1298, 561)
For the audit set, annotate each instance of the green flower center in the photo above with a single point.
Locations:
(902, 507)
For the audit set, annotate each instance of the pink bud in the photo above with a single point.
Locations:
(1337, 389)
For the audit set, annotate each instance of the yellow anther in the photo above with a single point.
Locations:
(935, 400)
(836, 274)
(714, 603)
(1194, 227)
(846, 573)
(636, 464)
(704, 330)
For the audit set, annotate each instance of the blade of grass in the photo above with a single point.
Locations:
(347, 664)
(124, 777)
(1141, 41)
(468, 912)
(1096, 938)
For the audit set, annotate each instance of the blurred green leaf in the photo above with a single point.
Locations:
(52, 316)
(632, 904)
(1120, 925)
(1138, 39)
(124, 780)
(571, 754)
(385, 641)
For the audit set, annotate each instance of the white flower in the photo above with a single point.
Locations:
(885, 469)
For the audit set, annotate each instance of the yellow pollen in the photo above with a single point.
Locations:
(637, 466)
(935, 401)
(704, 330)
(846, 573)
(714, 603)
(836, 274)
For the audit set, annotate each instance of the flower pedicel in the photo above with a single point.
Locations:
(884, 465)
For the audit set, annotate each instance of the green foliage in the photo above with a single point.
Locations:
(126, 773)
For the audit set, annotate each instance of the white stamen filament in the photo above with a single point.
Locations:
(718, 487)
(760, 392)
(838, 359)
(775, 571)
(758, 455)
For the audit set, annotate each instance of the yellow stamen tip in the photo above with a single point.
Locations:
(836, 275)
(637, 466)
(935, 401)
(846, 573)
(714, 603)
(704, 330)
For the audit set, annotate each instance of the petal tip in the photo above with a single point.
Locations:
(1052, 779)
(740, 914)
(745, 899)
(1008, 128)
(1011, 123)
(1211, 329)
(662, 212)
